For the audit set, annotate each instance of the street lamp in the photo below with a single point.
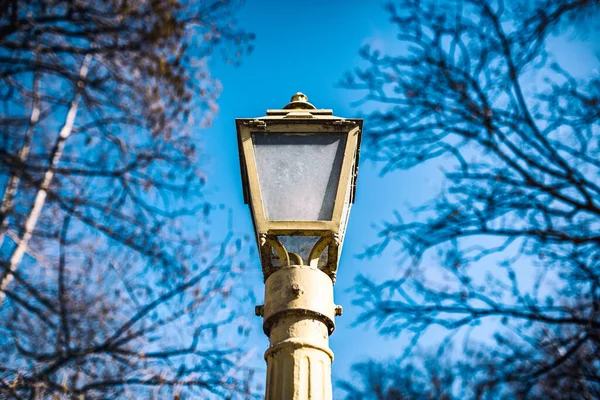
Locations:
(299, 168)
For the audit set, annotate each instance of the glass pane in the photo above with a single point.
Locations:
(298, 174)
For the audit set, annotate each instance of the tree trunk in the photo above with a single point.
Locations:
(13, 181)
(40, 198)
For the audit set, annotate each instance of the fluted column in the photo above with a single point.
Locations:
(298, 312)
(299, 360)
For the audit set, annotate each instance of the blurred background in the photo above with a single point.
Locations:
(471, 263)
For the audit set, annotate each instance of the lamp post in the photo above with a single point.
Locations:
(299, 168)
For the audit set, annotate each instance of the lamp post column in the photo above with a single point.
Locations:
(298, 318)
(299, 166)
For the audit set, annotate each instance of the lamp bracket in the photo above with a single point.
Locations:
(267, 244)
(270, 243)
(315, 253)
(332, 243)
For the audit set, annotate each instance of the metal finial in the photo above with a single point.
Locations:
(299, 100)
(299, 96)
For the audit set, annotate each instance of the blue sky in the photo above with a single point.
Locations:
(303, 46)
(306, 46)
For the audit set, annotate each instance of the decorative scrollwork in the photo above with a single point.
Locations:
(268, 243)
(332, 243)
(315, 253)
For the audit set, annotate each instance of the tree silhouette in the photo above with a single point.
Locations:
(392, 380)
(107, 272)
(512, 239)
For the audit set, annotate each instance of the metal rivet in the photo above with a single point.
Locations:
(297, 289)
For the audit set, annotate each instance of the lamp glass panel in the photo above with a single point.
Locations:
(298, 174)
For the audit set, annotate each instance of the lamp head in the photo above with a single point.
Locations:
(299, 167)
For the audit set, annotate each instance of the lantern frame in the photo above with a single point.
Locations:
(299, 119)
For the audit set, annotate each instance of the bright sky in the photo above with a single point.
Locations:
(306, 46)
